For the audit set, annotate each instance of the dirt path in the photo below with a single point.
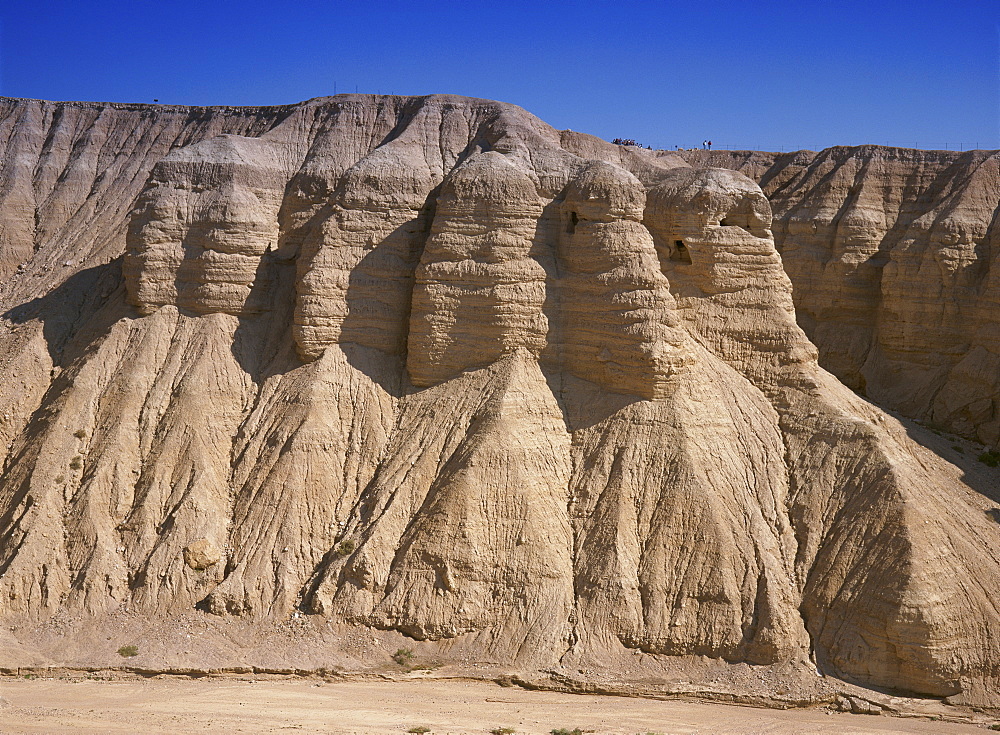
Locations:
(234, 706)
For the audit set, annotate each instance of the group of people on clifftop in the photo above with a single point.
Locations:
(629, 141)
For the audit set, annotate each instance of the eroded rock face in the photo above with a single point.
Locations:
(203, 227)
(484, 275)
(619, 325)
(893, 254)
(426, 365)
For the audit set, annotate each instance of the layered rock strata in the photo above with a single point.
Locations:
(893, 254)
(426, 365)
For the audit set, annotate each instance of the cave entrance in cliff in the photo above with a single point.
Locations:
(571, 223)
(680, 252)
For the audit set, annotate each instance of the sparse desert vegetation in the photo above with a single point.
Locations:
(990, 459)
(403, 656)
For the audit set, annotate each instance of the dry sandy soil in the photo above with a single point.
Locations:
(229, 706)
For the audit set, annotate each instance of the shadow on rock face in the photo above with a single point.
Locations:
(379, 297)
(976, 475)
(262, 342)
(78, 313)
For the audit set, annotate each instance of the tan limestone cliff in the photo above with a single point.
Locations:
(893, 254)
(426, 367)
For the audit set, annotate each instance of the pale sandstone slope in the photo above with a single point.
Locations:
(427, 365)
(893, 254)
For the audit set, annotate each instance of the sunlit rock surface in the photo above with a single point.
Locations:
(427, 365)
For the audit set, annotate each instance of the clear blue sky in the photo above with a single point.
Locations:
(773, 75)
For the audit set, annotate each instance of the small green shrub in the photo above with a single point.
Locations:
(990, 459)
(403, 656)
(503, 731)
(80, 434)
(128, 651)
(419, 729)
(566, 731)
(76, 463)
(346, 548)
(958, 449)
(995, 727)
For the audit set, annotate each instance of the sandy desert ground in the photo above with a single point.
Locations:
(82, 705)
